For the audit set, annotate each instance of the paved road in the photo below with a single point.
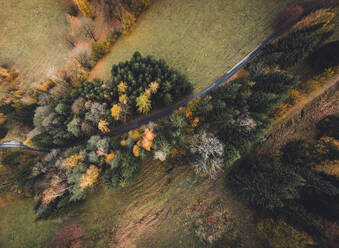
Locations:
(18, 144)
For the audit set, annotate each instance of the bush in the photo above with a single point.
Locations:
(99, 49)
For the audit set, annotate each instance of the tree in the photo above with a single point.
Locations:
(96, 113)
(265, 183)
(71, 161)
(147, 139)
(90, 178)
(78, 106)
(128, 21)
(82, 54)
(154, 86)
(58, 187)
(86, 8)
(246, 123)
(115, 111)
(74, 127)
(143, 103)
(86, 28)
(67, 37)
(99, 49)
(136, 150)
(122, 87)
(206, 151)
(103, 126)
(87, 128)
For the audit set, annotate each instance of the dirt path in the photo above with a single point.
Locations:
(301, 121)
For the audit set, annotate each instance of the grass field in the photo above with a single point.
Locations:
(202, 39)
(161, 209)
(28, 39)
(19, 230)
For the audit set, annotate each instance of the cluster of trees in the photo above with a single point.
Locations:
(304, 38)
(119, 17)
(300, 185)
(136, 85)
(238, 111)
(325, 57)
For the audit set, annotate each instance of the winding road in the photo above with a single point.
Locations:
(218, 82)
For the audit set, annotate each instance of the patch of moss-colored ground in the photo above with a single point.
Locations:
(28, 39)
(166, 206)
(18, 228)
(202, 39)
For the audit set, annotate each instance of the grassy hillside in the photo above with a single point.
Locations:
(202, 39)
(18, 228)
(28, 38)
(166, 206)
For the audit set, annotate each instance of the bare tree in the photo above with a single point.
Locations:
(81, 53)
(246, 123)
(68, 38)
(125, 112)
(207, 152)
(86, 28)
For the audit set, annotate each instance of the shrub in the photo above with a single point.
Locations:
(99, 49)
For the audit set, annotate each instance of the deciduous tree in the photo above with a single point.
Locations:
(143, 103)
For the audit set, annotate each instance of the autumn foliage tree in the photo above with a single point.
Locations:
(86, 8)
(143, 103)
(90, 178)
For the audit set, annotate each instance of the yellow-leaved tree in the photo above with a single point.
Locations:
(71, 161)
(123, 99)
(103, 126)
(115, 111)
(136, 150)
(134, 134)
(122, 87)
(86, 8)
(90, 178)
(143, 103)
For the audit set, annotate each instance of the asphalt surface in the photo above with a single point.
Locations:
(18, 144)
